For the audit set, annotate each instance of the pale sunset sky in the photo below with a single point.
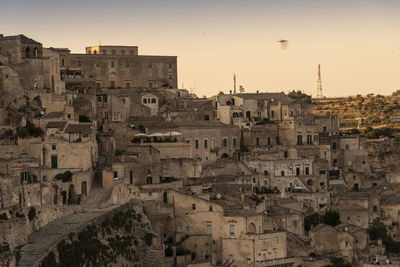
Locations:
(357, 42)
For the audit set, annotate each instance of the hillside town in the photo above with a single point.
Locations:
(104, 161)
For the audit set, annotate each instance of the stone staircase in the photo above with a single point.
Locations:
(40, 243)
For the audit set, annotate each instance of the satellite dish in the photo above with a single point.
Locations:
(218, 195)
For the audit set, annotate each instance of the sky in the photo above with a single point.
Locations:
(357, 42)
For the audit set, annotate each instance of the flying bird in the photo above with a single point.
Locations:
(284, 43)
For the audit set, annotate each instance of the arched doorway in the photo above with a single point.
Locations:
(252, 228)
(71, 194)
(64, 197)
(27, 53)
(35, 53)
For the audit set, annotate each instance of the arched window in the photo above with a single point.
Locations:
(309, 140)
(235, 114)
(27, 53)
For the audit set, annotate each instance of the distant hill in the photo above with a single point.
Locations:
(372, 110)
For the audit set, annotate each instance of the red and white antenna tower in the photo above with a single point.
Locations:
(319, 83)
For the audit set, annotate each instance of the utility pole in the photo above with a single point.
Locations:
(319, 83)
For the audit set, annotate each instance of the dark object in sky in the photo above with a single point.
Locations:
(284, 43)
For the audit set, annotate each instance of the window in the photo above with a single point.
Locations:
(153, 100)
(63, 62)
(265, 172)
(299, 140)
(170, 65)
(309, 140)
(105, 98)
(144, 100)
(297, 171)
(257, 141)
(193, 206)
(99, 99)
(282, 173)
(149, 180)
(285, 154)
(150, 85)
(115, 174)
(224, 142)
(112, 85)
(213, 144)
(234, 142)
(205, 143)
(128, 85)
(347, 147)
(248, 259)
(374, 208)
(334, 145)
(179, 228)
(112, 64)
(150, 65)
(53, 147)
(209, 230)
(268, 140)
(272, 113)
(210, 208)
(324, 129)
(197, 143)
(54, 162)
(307, 171)
(232, 230)
(322, 171)
(131, 177)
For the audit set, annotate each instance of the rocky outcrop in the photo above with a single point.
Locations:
(119, 237)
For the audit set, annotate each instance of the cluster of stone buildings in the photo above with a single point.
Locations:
(225, 181)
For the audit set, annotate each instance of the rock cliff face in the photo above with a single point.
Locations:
(124, 239)
(384, 156)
